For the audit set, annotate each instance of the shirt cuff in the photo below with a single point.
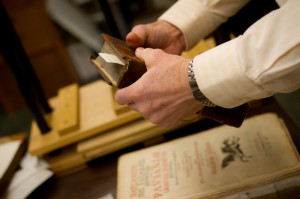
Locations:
(221, 77)
(192, 18)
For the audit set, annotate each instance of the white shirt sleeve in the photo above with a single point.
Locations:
(263, 61)
(198, 18)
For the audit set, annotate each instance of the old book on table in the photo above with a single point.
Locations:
(117, 63)
(12, 150)
(211, 164)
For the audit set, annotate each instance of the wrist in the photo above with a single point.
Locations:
(184, 79)
(198, 95)
(175, 34)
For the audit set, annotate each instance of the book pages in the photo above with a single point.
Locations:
(210, 164)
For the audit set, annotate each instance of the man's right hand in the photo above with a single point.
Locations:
(160, 34)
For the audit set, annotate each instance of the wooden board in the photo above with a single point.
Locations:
(66, 160)
(113, 135)
(119, 109)
(123, 143)
(124, 136)
(68, 109)
(96, 116)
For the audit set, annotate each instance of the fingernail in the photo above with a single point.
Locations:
(139, 48)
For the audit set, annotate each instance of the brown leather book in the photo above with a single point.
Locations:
(117, 63)
(119, 67)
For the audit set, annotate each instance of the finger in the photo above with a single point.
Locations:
(133, 40)
(139, 52)
(137, 37)
(132, 105)
(121, 97)
(149, 56)
(144, 54)
(125, 95)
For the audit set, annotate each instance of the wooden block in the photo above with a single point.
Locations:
(68, 109)
(124, 136)
(65, 160)
(119, 109)
(108, 137)
(124, 142)
(153, 141)
(96, 116)
(68, 171)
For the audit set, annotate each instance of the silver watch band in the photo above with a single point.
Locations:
(198, 95)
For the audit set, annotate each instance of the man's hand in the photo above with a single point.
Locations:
(162, 95)
(159, 34)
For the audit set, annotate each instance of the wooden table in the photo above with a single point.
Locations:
(99, 178)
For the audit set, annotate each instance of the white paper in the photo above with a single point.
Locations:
(32, 174)
(110, 58)
(8, 151)
(107, 196)
(29, 185)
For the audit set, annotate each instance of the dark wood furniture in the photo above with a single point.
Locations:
(44, 47)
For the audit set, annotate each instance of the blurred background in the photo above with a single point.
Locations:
(60, 35)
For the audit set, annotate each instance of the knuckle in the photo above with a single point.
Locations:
(119, 98)
(145, 111)
(154, 121)
(156, 52)
(163, 122)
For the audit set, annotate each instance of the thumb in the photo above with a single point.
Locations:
(125, 95)
(148, 55)
(137, 37)
(144, 55)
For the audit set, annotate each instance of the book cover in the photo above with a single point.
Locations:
(211, 164)
(117, 63)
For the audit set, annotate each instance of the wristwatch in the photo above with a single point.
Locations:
(198, 95)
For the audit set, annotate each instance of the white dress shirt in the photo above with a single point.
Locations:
(263, 61)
